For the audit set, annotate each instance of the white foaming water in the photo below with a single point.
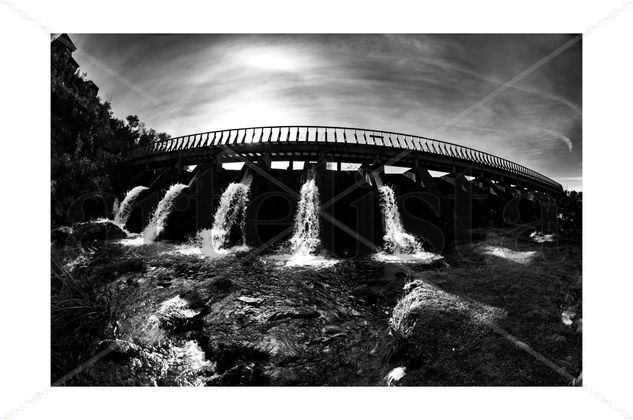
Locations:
(157, 224)
(397, 240)
(116, 206)
(125, 208)
(233, 205)
(134, 240)
(305, 238)
(399, 245)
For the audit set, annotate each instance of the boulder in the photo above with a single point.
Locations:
(250, 300)
(333, 330)
(61, 235)
(118, 350)
(100, 230)
(297, 313)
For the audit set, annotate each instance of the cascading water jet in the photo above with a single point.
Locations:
(157, 224)
(397, 239)
(305, 238)
(233, 205)
(124, 210)
(399, 245)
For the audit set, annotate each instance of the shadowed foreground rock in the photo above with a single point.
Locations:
(86, 232)
(177, 320)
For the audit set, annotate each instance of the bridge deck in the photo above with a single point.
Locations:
(332, 143)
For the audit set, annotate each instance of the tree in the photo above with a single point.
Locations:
(87, 142)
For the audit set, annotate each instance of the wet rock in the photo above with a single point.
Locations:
(557, 338)
(395, 375)
(413, 284)
(335, 336)
(299, 313)
(117, 350)
(228, 355)
(332, 330)
(214, 287)
(281, 347)
(250, 300)
(568, 316)
(61, 235)
(175, 315)
(283, 375)
(354, 312)
(371, 295)
(93, 231)
(219, 283)
(106, 272)
(242, 374)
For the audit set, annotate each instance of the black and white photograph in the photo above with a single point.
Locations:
(262, 219)
(385, 244)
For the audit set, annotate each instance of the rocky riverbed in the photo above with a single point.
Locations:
(499, 311)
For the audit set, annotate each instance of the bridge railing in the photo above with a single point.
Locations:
(345, 135)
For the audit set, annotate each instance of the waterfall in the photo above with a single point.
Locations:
(123, 211)
(157, 224)
(233, 204)
(397, 240)
(305, 241)
(115, 207)
(305, 238)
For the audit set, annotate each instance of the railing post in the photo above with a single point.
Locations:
(387, 139)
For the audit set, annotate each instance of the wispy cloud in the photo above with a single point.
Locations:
(407, 83)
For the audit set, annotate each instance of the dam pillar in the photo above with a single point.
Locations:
(320, 169)
(202, 185)
(463, 208)
(425, 179)
(374, 170)
(266, 161)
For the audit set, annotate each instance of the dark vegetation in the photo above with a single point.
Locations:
(570, 216)
(87, 144)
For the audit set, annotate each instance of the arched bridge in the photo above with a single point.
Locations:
(336, 144)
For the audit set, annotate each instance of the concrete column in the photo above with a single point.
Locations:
(376, 170)
(179, 166)
(202, 185)
(425, 179)
(463, 208)
(266, 161)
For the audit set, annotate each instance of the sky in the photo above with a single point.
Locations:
(414, 84)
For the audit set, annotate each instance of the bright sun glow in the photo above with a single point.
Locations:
(272, 59)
